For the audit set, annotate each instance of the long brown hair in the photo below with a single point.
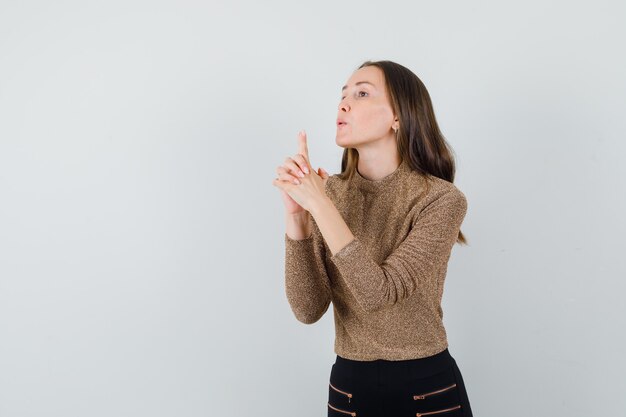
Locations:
(420, 142)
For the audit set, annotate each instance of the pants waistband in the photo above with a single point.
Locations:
(421, 367)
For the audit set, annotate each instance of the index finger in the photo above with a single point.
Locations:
(302, 146)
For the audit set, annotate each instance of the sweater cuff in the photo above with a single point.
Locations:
(346, 254)
(305, 241)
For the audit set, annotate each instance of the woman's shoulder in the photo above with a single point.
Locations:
(431, 188)
(443, 186)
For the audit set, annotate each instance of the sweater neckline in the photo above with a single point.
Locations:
(377, 185)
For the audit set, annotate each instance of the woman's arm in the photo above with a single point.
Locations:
(331, 224)
(306, 281)
(413, 263)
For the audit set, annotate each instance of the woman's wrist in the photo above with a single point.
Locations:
(298, 225)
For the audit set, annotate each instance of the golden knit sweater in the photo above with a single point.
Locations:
(386, 285)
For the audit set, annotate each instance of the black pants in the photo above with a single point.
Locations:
(431, 386)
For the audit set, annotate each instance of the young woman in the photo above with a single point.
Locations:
(376, 240)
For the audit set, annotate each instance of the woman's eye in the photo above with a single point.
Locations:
(357, 94)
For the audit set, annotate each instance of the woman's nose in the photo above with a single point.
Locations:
(343, 105)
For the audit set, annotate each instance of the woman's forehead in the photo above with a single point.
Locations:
(366, 75)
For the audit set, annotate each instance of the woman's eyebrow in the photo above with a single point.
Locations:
(360, 82)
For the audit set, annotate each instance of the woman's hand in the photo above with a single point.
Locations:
(300, 185)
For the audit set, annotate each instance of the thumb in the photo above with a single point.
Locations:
(322, 173)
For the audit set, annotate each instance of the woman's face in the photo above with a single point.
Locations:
(365, 109)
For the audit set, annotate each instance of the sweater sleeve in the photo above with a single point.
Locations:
(414, 262)
(306, 280)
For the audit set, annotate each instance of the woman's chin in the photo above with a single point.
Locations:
(342, 140)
